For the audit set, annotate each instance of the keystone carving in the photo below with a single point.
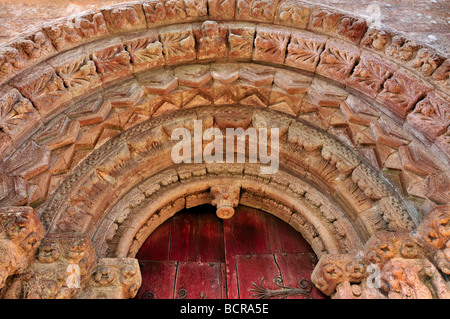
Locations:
(225, 197)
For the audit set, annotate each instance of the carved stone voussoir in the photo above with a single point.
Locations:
(17, 114)
(402, 91)
(76, 30)
(270, 44)
(328, 21)
(178, 44)
(256, 10)
(337, 60)
(304, 49)
(124, 17)
(431, 115)
(44, 88)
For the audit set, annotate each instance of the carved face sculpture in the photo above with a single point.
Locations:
(76, 250)
(49, 252)
(355, 270)
(104, 275)
(409, 249)
(128, 276)
(210, 29)
(401, 279)
(442, 259)
(18, 226)
(30, 242)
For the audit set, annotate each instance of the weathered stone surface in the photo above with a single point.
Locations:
(413, 279)
(402, 91)
(63, 264)
(335, 269)
(211, 41)
(270, 45)
(145, 51)
(112, 61)
(370, 74)
(44, 88)
(329, 21)
(337, 60)
(178, 44)
(17, 114)
(431, 115)
(225, 197)
(304, 49)
(20, 234)
(240, 40)
(124, 17)
(113, 278)
(293, 13)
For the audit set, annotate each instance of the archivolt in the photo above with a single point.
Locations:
(141, 156)
(62, 104)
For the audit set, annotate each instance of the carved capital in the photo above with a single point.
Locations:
(434, 233)
(335, 269)
(384, 246)
(413, 279)
(225, 197)
(113, 278)
(61, 269)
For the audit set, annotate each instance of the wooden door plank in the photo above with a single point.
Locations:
(184, 237)
(272, 232)
(197, 280)
(297, 266)
(158, 278)
(230, 260)
(157, 245)
(210, 236)
(250, 232)
(259, 270)
(291, 241)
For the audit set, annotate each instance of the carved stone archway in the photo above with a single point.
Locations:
(88, 105)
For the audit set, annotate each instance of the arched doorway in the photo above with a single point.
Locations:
(197, 255)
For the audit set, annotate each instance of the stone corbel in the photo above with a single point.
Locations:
(113, 278)
(20, 234)
(225, 197)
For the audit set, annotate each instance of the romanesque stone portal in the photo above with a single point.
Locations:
(88, 104)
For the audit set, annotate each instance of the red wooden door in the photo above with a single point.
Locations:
(197, 255)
